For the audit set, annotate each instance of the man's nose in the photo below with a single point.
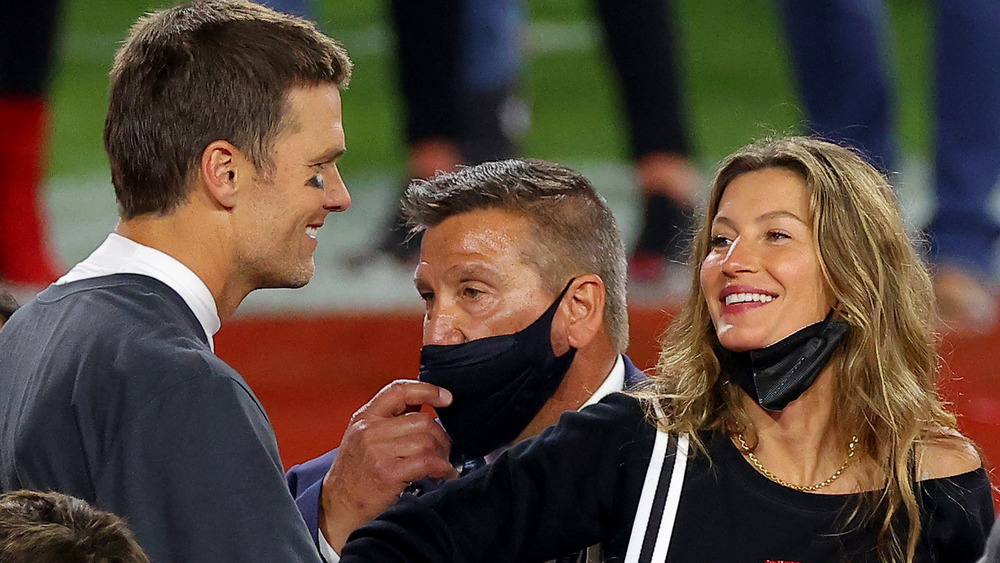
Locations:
(440, 327)
(336, 196)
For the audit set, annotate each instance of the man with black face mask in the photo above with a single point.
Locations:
(522, 270)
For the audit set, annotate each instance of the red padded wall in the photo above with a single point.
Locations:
(313, 372)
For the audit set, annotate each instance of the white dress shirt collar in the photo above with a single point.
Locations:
(614, 382)
(120, 255)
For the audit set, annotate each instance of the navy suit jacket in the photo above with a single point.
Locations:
(305, 480)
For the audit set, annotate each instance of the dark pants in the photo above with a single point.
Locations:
(839, 53)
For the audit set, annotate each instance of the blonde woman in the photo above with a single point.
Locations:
(793, 415)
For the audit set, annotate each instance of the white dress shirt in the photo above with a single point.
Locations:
(120, 255)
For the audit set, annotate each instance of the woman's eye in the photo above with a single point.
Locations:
(317, 182)
(718, 241)
(471, 292)
(777, 235)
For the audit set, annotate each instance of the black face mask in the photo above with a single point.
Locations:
(498, 384)
(778, 374)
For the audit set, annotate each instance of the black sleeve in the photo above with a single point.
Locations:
(958, 514)
(198, 475)
(992, 554)
(575, 485)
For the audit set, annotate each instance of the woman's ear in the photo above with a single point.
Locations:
(221, 167)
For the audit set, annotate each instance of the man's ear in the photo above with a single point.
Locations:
(221, 166)
(582, 310)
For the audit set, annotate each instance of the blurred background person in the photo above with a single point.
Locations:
(27, 40)
(302, 8)
(841, 58)
(459, 64)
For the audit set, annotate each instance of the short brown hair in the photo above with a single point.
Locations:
(573, 229)
(200, 72)
(38, 527)
(7, 306)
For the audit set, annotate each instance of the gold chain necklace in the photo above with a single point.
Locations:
(804, 488)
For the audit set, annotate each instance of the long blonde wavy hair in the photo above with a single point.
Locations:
(885, 384)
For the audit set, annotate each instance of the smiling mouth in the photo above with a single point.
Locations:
(737, 298)
(311, 231)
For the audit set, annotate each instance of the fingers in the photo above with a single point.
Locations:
(393, 415)
(408, 435)
(410, 432)
(395, 463)
(402, 396)
(356, 491)
(427, 467)
(389, 442)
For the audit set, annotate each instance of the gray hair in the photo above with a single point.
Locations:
(574, 231)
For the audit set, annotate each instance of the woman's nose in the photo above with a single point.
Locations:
(739, 257)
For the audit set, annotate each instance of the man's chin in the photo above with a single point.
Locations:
(290, 282)
(301, 280)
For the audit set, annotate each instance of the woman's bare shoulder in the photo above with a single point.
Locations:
(946, 453)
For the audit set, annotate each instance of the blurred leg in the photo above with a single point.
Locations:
(967, 152)
(837, 51)
(641, 41)
(491, 111)
(427, 36)
(27, 32)
(427, 58)
(963, 231)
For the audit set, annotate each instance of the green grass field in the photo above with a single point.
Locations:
(738, 84)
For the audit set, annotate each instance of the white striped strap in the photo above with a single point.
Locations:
(658, 501)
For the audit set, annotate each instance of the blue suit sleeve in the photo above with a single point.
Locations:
(305, 482)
